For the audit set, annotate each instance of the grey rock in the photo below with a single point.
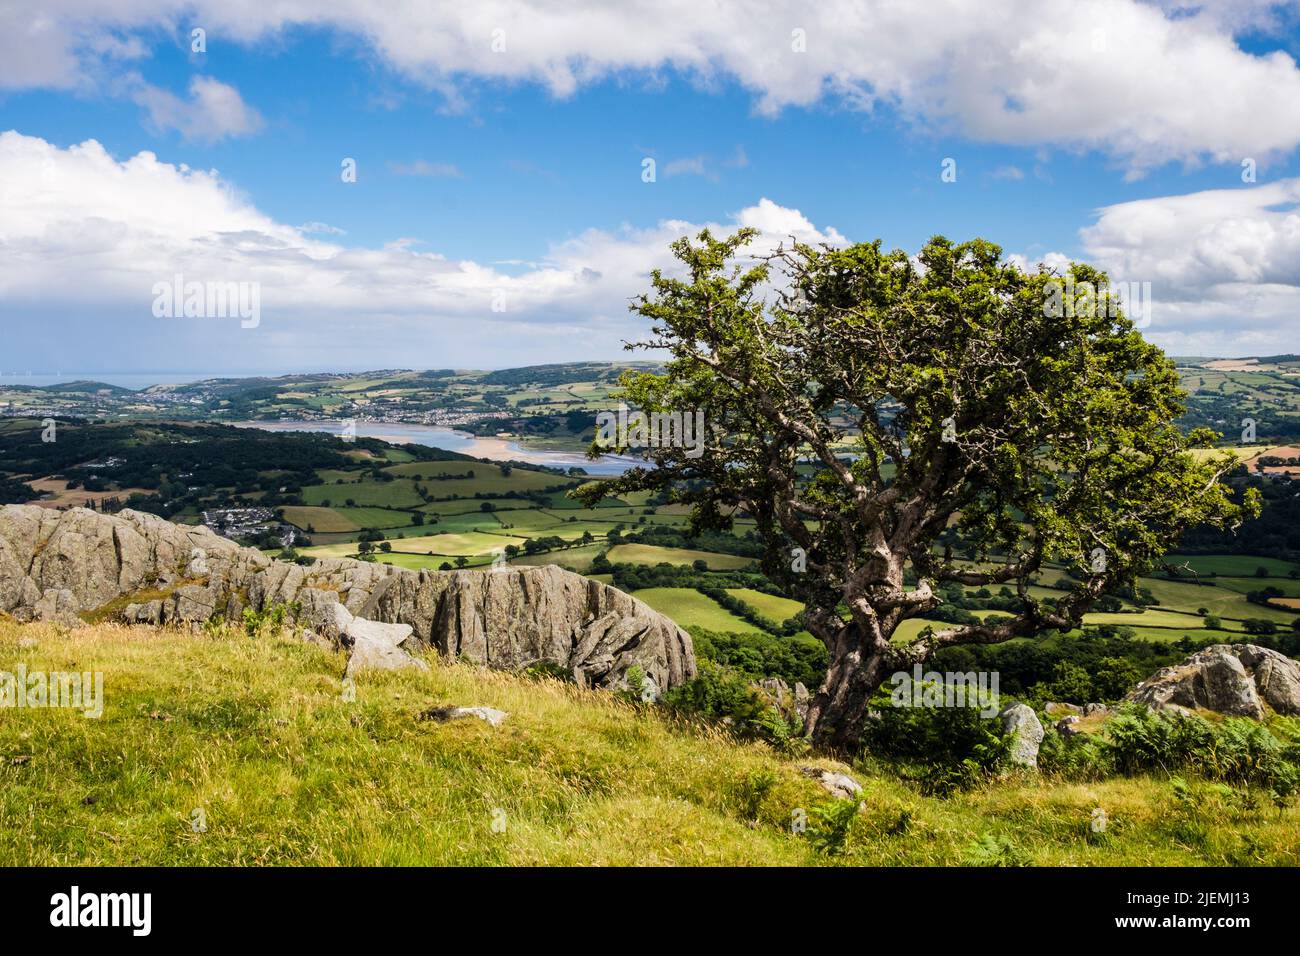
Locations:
(489, 715)
(649, 690)
(1021, 720)
(1276, 677)
(1234, 679)
(192, 602)
(57, 606)
(311, 637)
(792, 704)
(836, 784)
(508, 620)
(377, 645)
(801, 699)
(1065, 726)
(150, 612)
(1055, 709)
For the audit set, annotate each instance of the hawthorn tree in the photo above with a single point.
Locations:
(895, 425)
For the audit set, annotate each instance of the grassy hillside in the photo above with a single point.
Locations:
(256, 733)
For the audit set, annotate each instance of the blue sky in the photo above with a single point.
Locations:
(515, 177)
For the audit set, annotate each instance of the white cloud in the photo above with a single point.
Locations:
(1224, 265)
(84, 238)
(213, 112)
(1140, 83)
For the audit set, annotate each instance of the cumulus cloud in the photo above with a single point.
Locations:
(1224, 265)
(85, 237)
(1112, 75)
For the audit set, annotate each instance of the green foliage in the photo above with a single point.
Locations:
(269, 620)
(797, 659)
(990, 850)
(1074, 756)
(831, 824)
(719, 693)
(1237, 750)
(943, 748)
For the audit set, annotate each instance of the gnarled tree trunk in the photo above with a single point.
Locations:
(838, 710)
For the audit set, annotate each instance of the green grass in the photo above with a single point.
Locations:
(771, 606)
(470, 521)
(1234, 565)
(1153, 618)
(467, 543)
(382, 518)
(690, 608)
(652, 554)
(395, 494)
(1245, 585)
(257, 734)
(321, 519)
(1229, 605)
(487, 479)
(466, 505)
(413, 562)
(575, 559)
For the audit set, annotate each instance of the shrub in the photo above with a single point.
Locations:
(1237, 750)
(951, 747)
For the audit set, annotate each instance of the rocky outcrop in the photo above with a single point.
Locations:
(143, 569)
(1233, 679)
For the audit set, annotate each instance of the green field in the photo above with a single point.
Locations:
(575, 559)
(1229, 605)
(652, 554)
(1233, 565)
(772, 607)
(487, 479)
(319, 519)
(394, 494)
(690, 608)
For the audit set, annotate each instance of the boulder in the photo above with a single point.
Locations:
(510, 619)
(1065, 726)
(1233, 679)
(377, 645)
(836, 784)
(487, 714)
(1021, 720)
(1276, 677)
